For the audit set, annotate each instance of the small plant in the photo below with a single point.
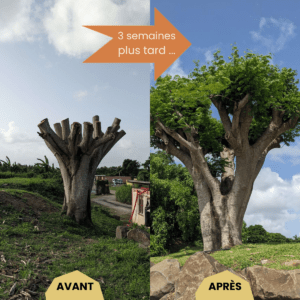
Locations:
(6, 164)
(44, 164)
(123, 194)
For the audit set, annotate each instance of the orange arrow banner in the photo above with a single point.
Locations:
(161, 43)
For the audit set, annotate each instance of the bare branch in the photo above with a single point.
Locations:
(65, 129)
(274, 144)
(223, 114)
(74, 138)
(170, 148)
(97, 143)
(176, 136)
(87, 138)
(58, 129)
(48, 134)
(110, 144)
(238, 106)
(274, 130)
(97, 127)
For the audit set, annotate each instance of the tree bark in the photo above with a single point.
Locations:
(78, 157)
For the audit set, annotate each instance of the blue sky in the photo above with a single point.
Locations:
(263, 27)
(43, 46)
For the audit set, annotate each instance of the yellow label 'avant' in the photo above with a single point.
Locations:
(75, 286)
(225, 286)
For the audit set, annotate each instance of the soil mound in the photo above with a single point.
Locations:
(26, 203)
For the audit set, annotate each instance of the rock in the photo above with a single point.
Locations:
(195, 270)
(121, 232)
(264, 261)
(140, 236)
(292, 263)
(162, 278)
(151, 264)
(273, 284)
(141, 245)
(170, 296)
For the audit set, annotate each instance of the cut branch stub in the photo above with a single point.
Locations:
(58, 129)
(65, 129)
(87, 137)
(74, 138)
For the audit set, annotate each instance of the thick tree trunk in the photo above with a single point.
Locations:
(77, 202)
(223, 207)
(221, 220)
(78, 157)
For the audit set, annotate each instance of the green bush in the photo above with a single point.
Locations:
(276, 238)
(257, 234)
(6, 175)
(29, 174)
(123, 194)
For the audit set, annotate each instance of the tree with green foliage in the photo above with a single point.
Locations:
(130, 168)
(144, 174)
(259, 106)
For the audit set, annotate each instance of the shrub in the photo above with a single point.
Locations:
(30, 174)
(276, 238)
(123, 194)
(6, 175)
(256, 234)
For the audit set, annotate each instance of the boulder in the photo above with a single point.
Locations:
(162, 278)
(265, 283)
(292, 263)
(140, 236)
(195, 270)
(273, 284)
(121, 232)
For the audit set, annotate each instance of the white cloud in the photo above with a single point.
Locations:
(125, 144)
(274, 44)
(14, 136)
(79, 95)
(17, 20)
(63, 22)
(175, 69)
(209, 55)
(286, 154)
(208, 52)
(272, 200)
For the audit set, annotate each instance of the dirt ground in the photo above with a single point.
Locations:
(31, 203)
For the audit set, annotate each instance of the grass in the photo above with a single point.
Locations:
(50, 188)
(59, 246)
(242, 256)
(114, 188)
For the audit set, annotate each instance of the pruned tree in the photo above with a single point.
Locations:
(259, 106)
(78, 156)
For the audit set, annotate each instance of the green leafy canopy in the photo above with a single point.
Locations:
(268, 86)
